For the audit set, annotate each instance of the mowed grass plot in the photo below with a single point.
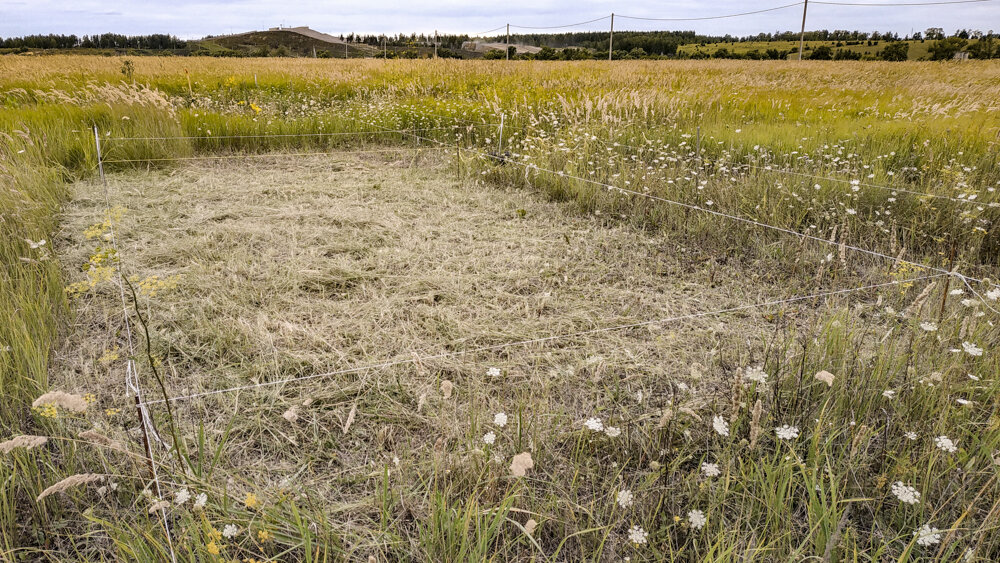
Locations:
(257, 271)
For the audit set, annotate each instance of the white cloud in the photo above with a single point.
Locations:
(195, 19)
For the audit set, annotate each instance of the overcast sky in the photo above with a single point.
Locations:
(189, 19)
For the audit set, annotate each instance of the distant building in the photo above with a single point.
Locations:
(961, 56)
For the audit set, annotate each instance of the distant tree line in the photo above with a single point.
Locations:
(155, 41)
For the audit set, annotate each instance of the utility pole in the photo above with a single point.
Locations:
(508, 42)
(802, 34)
(611, 38)
(385, 50)
(346, 56)
(435, 43)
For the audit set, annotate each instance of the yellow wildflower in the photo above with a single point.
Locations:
(251, 501)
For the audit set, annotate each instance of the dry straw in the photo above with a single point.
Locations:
(70, 482)
(27, 442)
(63, 400)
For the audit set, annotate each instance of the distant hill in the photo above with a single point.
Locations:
(299, 41)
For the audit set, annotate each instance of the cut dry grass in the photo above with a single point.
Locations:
(287, 268)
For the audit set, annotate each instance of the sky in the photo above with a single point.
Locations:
(189, 19)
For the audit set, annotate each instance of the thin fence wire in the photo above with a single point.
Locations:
(274, 155)
(496, 347)
(530, 166)
(132, 383)
(279, 135)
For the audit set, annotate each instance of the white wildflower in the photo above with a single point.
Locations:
(230, 531)
(500, 419)
(710, 469)
(612, 431)
(888, 393)
(625, 498)
(993, 294)
(490, 437)
(927, 535)
(697, 519)
(200, 500)
(945, 444)
(493, 372)
(720, 425)
(181, 496)
(972, 349)
(905, 493)
(756, 374)
(929, 327)
(786, 432)
(911, 435)
(594, 424)
(637, 535)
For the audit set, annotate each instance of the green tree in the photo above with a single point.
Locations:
(899, 51)
(945, 49)
(822, 53)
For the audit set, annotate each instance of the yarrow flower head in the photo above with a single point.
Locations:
(230, 531)
(755, 374)
(637, 535)
(490, 437)
(945, 444)
(710, 469)
(493, 372)
(929, 327)
(720, 425)
(625, 498)
(594, 424)
(972, 349)
(500, 419)
(786, 432)
(612, 431)
(928, 535)
(905, 493)
(697, 519)
(200, 500)
(181, 496)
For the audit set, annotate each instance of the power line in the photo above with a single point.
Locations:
(877, 5)
(716, 17)
(562, 26)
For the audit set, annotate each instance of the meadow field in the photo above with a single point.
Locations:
(670, 311)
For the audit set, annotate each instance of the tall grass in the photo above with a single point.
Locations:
(824, 495)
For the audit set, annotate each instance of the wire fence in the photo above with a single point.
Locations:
(133, 384)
